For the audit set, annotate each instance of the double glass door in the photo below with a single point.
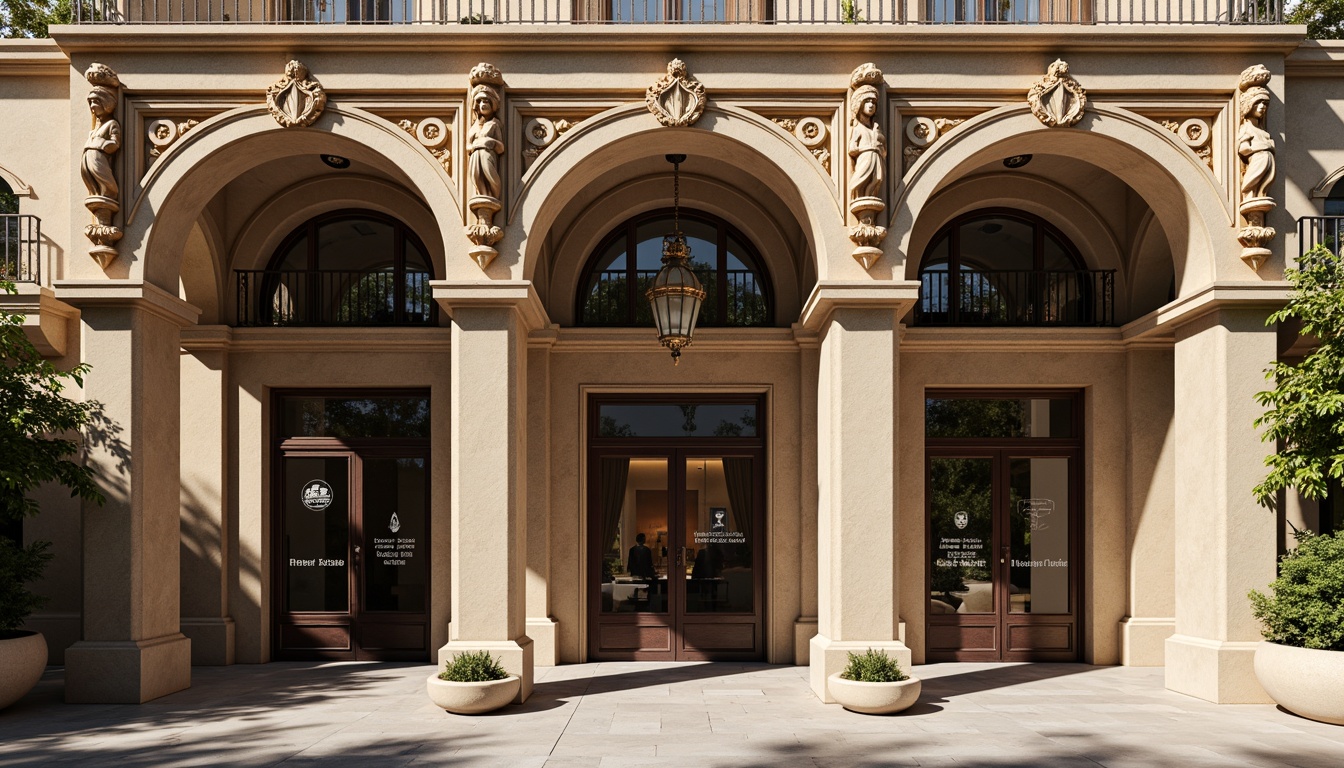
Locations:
(675, 566)
(1003, 532)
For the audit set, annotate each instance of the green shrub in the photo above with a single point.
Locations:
(873, 667)
(473, 667)
(1306, 608)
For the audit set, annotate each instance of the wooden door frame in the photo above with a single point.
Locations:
(675, 450)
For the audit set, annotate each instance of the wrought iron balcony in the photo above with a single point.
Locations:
(1016, 297)
(1320, 230)
(334, 298)
(470, 12)
(20, 239)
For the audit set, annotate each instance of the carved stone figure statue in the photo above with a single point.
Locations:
(1256, 148)
(96, 167)
(868, 160)
(485, 145)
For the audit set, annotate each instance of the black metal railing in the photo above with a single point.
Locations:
(609, 299)
(472, 12)
(20, 241)
(1320, 230)
(1016, 297)
(334, 298)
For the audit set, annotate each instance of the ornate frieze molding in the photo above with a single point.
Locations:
(96, 166)
(1256, 148)
(163, 132)
(1057, 100)
(485, 145)
(1195, 134)
(868, 162)
(813, 133)
(433, 135)
(677, 99)
(540, 133)
(922, 132)
(297, 99)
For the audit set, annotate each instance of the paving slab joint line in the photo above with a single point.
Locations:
(570, 719)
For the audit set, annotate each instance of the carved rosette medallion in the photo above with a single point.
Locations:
(1057, 100)
(540, 133)
(1256, 148)
(813, 133)
(1195, 134)
(163, 133)
(434, 136)
(868, 162)
(485, 145)
(97, 167)
(676, 100)
(297, 99)
(922, 132)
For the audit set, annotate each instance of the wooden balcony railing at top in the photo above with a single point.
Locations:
(20, 243)
(476, 12)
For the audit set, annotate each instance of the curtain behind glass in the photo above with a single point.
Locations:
(615, 474)
(738, 477)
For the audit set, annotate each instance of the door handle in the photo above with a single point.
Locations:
(356, 563)
(1003, 555)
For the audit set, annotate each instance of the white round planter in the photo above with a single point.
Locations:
(874, 698)
(1303, 681)
(471, 698)
(23, 656)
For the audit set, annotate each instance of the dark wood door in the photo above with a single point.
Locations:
(1003, 553)
(676, 563)
(352, 545)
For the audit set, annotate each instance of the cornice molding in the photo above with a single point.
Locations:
(136, 294)
(33, 58)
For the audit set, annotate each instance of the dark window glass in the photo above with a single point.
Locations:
(992, 417)
(9, 202)
(395, 565)
(1334, 203)
(351, 417)
(677, 420)
(737, 291)
(316, 534)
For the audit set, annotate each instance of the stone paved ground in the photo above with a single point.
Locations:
(676, 715)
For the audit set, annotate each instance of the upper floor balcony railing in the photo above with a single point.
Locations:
(470, 12)
(1320, 230)
(998, 297)
(315, 297)
(20, 238)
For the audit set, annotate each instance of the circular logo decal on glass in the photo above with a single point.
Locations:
(961, 519)
(317, 495)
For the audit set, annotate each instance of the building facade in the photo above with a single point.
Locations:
(362, 289)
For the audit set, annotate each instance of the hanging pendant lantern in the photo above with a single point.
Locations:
(676, 294)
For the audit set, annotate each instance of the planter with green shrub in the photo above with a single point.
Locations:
(873, 683)
(472, 683)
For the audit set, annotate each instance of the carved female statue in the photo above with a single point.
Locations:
(1254, 143)
(867, 145)
(485, 141)
(103, 142)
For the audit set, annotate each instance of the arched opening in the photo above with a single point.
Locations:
(19, 237)
(621, 269)
(348, 267)
(1003, 266)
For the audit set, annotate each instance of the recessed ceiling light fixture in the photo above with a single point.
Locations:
(336, 161)
(1016, 161)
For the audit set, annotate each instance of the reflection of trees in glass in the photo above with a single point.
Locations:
(609, 427)
(960, 485)
(746, 424)
(359, 417)
(975, 417)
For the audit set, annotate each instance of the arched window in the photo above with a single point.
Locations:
(1334, 202)
(351, 267)
(19, 236)
(623, 266)
(998, 266)
(9, 202)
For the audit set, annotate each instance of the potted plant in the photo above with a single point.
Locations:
(874, 684)
(34, 420)
(472, 683)
(1301, 662)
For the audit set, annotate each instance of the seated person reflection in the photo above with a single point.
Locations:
(639, 564)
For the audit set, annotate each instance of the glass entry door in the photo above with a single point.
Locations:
(675, 556)
(1003, 575)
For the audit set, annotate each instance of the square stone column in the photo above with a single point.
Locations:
(857, 453)
(1226, 544)
(131, 648)
(489, 421)
(540, 626)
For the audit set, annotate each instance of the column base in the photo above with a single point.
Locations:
(515, 656)
(1214, 670)
(127, 672)
(543, 632)
(1143, 640)
(804, 628)
(211, 641)
(830, 656)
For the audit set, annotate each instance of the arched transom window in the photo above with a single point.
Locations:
(999, 266)
(623, 266)
(350, 267)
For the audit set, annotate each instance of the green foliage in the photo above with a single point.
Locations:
(30, 18)
(1306, 608)
(873, 667)
(849, 12)
(473, 667)
(33, 417)
(1304, 412)
(1324, 18)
